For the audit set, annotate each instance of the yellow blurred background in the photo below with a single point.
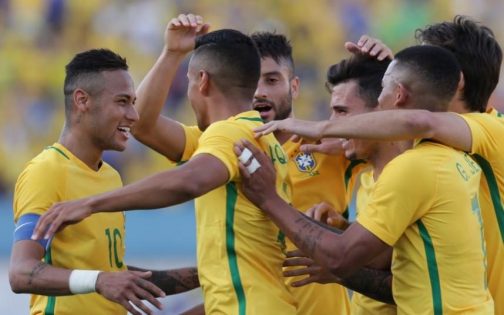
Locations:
(37, 39)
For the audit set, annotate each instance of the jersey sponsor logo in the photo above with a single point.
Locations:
(306, 163)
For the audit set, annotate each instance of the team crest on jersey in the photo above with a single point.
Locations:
(306, 162)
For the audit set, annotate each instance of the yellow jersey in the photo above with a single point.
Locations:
(95, 243)
(239, 249)
(361, 304)
(425, 204)
(487, 130)
(315, 178)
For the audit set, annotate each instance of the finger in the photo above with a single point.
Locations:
(237, 148)
(310, 212)
(199, 19)
(192, 19)
(127, 305)
(298, 262)
(377, 48)
(256, 153)
(243, 170)
(41, 226)
(151, 287)
(295, 253)
(145, 295)
(184, 20)
(311, 148)
(174, 22)
(54, 227)
(203, 29)
(352, 48)
(362, 40)
(368, 46)
(303, 282)
(138, 303)
(297, 272)
(385, 54)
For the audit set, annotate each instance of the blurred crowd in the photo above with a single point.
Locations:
(38, 37)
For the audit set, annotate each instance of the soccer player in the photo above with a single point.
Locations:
(87, 257)
(314, 177)
(477, 130)
(239, 248)
(356, 84)
(412, 208)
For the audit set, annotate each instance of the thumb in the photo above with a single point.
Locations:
(143, 274)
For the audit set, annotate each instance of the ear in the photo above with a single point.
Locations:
(81, 100)
(461, 83)
(294, 86)
(204, 83)
(402, 96)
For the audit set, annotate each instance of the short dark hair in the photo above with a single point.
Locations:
(435, 73)
(366, 71)
(232, 60)
(477, 51)
(84, 70)
(275, 46)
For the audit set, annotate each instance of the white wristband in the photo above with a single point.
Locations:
(83, 281)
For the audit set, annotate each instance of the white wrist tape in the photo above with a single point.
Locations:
(245, 156)
(253, 166)
(83, 281)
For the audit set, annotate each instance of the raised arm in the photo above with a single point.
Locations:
(159, 132)
(198, 176)
(29, 274)
(446, 128)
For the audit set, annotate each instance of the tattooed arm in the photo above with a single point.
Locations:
(28, 274)
(175, 280)
(376, 284)
(342, 254)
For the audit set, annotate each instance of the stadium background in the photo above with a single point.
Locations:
(37, 38)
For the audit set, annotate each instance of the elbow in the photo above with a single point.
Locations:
(421, 123)
(16, 282)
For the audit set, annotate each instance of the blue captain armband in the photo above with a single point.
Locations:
(24, 229)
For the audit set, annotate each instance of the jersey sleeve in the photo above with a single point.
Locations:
(403, 194)
(487, 132)
(39, 186)
(219, 139)
(192, 135)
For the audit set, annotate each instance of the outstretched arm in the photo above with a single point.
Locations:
(447, 128)
(162, 133)
(29, 274)
(201, 174)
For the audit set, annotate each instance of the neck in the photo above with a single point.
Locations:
(81, 147)
(223, 108)
(385, 152)
(458, 106)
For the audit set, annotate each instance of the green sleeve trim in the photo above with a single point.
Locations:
(58, 150)
(51, 300)
(250, 118)
(494, 191)
(433, 268)
(349, 170)
(231, 197)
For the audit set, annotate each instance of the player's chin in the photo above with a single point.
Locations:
(118, 146)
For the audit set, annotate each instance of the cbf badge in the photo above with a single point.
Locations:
(305, 162)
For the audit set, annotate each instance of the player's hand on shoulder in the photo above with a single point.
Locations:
(302, 265)
(257, 173)
(370, 46)
(129, 287)
(59, 215)
(181, 32)
(325, 213)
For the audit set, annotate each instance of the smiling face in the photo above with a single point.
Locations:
(111, 113)
(275, 90)
(346, 101)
